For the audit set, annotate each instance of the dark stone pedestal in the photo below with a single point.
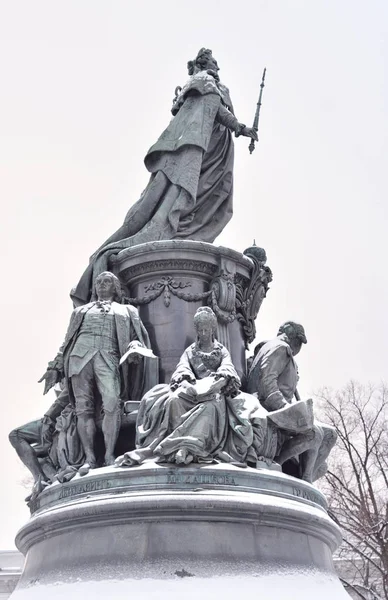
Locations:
(170, 280)
(160, 532)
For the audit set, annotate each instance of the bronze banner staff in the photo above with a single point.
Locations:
(255, 125)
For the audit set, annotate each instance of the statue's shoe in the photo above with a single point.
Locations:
(129, 459)
(86, 467)
(133, 457)
(183, 457)
(38, 487)
(66, 474)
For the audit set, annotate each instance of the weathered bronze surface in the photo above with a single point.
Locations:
(273, 376)
(189, 195)
(206, 438)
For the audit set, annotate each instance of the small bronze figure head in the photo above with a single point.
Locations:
(205, 323)
(204, 61)
(107, 284)
(295, 335)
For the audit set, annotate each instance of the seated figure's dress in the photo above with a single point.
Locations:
(219, 425)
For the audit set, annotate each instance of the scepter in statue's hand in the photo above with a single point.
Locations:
(255, 125)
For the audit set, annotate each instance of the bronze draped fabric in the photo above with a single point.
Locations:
(189, 195)
(167, 423)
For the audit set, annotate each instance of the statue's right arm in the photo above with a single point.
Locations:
(55, 368)
(182, 371)
(57, 363)
(227, 118)
(271, 368)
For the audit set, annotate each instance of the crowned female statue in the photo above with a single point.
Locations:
(189, 194)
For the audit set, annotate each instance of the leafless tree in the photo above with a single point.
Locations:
(357, 484)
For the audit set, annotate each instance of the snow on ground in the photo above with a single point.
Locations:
(274, 586)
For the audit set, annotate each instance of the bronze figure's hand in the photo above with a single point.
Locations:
(136, 358)
(176, 381)
(219, 375)
(134, 344)
(250, 132)
(50, 378)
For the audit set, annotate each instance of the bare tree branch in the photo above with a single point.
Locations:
(357, 483)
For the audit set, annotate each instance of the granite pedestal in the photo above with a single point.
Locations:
(161, 531)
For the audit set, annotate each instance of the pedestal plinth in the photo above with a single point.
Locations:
(170, 280)
(158, 531)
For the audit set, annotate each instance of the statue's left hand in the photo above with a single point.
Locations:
(132, 345)
(50, 378)
(217, 375)
(220, 375)
(135, 359)
(219, 382)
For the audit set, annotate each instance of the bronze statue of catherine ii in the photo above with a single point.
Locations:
(189, 194)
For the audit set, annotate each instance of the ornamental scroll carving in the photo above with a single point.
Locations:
(167, 286)
(223, 292)
(230, 295)
(250, 298)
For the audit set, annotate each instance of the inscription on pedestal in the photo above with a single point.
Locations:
(84, 488)
(307, 495)
(182, 478)
(203, 478)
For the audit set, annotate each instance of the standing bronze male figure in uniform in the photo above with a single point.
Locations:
(99, 333)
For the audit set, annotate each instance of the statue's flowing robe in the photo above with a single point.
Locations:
(189, 195)
(219, 426)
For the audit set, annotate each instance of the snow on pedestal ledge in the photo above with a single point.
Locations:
(167, 531)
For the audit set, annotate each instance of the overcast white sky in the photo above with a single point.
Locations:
(86, 88)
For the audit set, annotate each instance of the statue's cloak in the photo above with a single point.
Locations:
(189, 195)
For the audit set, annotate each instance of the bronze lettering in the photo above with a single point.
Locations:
(201, 478)
(83, 488)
